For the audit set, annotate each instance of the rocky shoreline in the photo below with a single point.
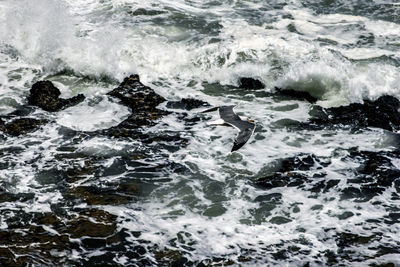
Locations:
(98, 229)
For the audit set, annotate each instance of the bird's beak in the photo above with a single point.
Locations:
(250, 120)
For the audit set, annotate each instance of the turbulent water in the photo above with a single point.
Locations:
(73, 196)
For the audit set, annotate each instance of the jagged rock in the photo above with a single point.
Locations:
(143, 102)
(95, 196)
(294, 94)
(136, 95)
(20, 126)
(250, 83)
(381, 113)
(45, 95)
(187, 103)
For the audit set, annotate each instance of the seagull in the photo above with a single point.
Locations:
(230, 118)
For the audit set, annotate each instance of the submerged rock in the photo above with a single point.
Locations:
(375, 174)
(290, 171)
(28, 242)
(143, 102)
(136, 95)
(381, 113)
(294, 94)
(250, 83)
(20, 126)
(45, 95)
(187, 104)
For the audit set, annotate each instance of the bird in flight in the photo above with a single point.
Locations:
(230, 118)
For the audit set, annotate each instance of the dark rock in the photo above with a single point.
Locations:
(382, 113)
(83, 227)
(76, 173)
(20, 126)
(167, 256)
(300, 162)
(121, 132)
(375, 174)
(180, 262)
(142, 118)
(279, 220)
(345, 215)
(250, 83)
(45, 95)
(275, 198)
(93, 243)
(289, 171)
(136, 95)
(143, 102)
(104, 260)
(348, 239)
(282, 179)
(10, 197)
(96, 196)
(187, 104)
(324, 186)
(22, 111)
(294, 94)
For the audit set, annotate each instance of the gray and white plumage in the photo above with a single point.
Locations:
(229, 117)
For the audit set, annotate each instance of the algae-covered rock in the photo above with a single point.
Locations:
(143, 102)
(187, 104)
(45, 95)
(136, 95)
(21, 126)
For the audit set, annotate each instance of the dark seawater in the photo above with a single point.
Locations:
(311, 188)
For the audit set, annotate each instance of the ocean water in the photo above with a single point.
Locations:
(73, 196)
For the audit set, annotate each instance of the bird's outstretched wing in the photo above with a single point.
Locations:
(229, 117)
(210, 109)
(244, 135)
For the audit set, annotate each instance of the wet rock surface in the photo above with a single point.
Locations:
(29, 241)
(250, 83)
(291, 171)
(20, 126)
(375, 174)
(137, 96)
(187, 104)
(294, 94)
(45, 95)
(91, 183)
(49, 238)
(382, 113)
(143, 102)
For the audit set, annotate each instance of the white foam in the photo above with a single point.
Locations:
(89, 116)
